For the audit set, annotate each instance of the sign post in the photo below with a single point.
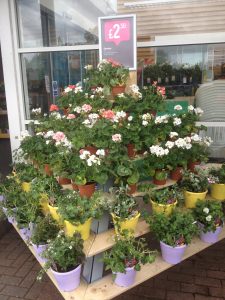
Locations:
(117, 39)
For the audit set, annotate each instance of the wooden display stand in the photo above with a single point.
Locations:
(96, 287)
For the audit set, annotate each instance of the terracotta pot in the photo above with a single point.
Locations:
(74, 186)
(192, 165)
(86, 190)
(47, 170)
(63, 180)
(131, 151)
(118, 90)
(91, 149)
(176, 174)
(159, 181)
(132, 188)
(65, 111)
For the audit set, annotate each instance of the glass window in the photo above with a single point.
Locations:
(46, 74)
(60, 22)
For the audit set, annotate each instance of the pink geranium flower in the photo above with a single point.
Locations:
(71, 116)
(108, 114)
(86, 107)
(116, 138)
(59, 136)
(161, 90)
(72, 86)
(54, 107)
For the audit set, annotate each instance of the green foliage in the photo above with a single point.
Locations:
(44, 184)
(76, 209)
(122, 205)
(25, 172)
(45, 230)
(164, 196)
(64, 253)
(174, 230)
(195, 183)
(128, 252)
(217, 175)
(209, 214)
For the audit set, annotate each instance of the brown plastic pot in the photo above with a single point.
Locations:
(131, 151)
(132, 188)
(176, 174)
(118, 90)
(192, 165)
(86, 190)
(47, 170)
(63, 180)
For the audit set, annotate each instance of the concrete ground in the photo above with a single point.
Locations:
(201, 277)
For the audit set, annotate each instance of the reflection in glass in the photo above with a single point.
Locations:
(60, 22)
(46, 75)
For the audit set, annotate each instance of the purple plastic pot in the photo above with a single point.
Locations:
(11, 219)
(211, 237)
(38, 250)
(68, 281)
(1, 198)
(126, 279)
(25, 233)
(172, 255)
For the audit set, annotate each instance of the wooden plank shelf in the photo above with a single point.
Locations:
(105, 289)
(4, 136)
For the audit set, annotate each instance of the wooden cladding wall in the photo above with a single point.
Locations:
(171, 19)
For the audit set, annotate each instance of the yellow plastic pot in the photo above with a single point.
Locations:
(129, 224)
(217, 191)
(83, 229)
(167, 209)
(44, 204)
(26, 186)
(191, 198)
(54, 213)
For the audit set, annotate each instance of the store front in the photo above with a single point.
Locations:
(179, 45)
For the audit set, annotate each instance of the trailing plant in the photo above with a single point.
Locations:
(174, 230)
(217, 175)
(164, 196)
(195, 183)
(123, 205)
(127, 253)
(209, 214)
(64, 253)
(46, 229)
(25, 172)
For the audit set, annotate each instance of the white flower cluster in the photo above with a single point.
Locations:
(119, 115)
(176, 121)
(56, 115)
(78, 109)
(92, 119)
(207, 141)
(98, 90)
(173, 134)
(206, 211)
(135, 91)
(36, 111)
(158, 151)
(102, 63)
(162, 119)
(88, 67)
(198, 111)
(184, 143)
(78, 89)
(195, 137)
(23, 135)
(92, 159)
(146, 118)
(121, 95)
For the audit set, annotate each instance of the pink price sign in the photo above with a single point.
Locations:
(117, 31)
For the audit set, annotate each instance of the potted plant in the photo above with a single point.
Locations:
(87, 169)
(195, 187)
(174, 232)
(124, 210)
(78, 212)
(209, 215)
(112, 76)
(45, 230)
(25, 173)
(44, 187)
(164, 200)
(216, 177)
(126, 257)
(64, 257)
(53, 202)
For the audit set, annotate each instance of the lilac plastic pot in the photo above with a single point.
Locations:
(25, 233)
(125, 279)
(211, 237)
(38, 250)
(68, 281)
(172, 255)
(10, 218)
(1, 198)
